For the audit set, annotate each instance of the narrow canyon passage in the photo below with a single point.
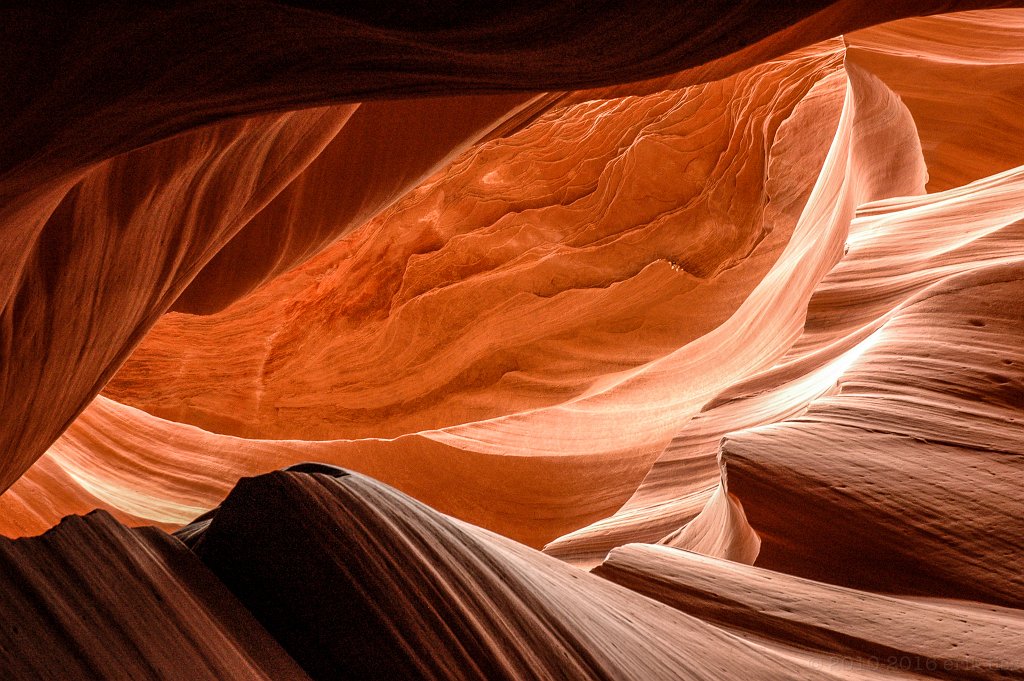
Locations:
(684, 341)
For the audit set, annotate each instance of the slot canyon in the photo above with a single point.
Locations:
(539, 340)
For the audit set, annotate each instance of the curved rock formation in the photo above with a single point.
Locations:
(105, 131)
(112, 250)
(960, 75)
(958, 455)
(872, 118)
(861, 309)
(352, 179)
(887, 260)
(91, 599)
(197, 63)
(942, 639)
(605, 209)
(743, 279)
(378, 585)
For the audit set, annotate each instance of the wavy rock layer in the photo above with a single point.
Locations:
(959, 455)
(91, 599)
(127, 236)
(555, 450)
(622, 229)
(579, 242)
(92, 153)
(894, 251)
(871, 313)
(196, 63)
(766, 308)
(378, 585)
(944, 639)
(961, 77)
(872, 119)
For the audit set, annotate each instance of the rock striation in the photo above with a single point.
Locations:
(673, 341)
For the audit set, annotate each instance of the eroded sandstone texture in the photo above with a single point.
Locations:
(663, 340)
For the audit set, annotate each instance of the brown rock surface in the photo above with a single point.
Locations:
(942, 639)
(743, 279)
(124, 126)
(91, 599)
(357, 579)
(930, 421)
(962, 77)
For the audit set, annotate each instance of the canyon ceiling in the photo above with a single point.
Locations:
(662, 340)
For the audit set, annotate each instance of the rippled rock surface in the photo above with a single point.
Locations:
(722, 301)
